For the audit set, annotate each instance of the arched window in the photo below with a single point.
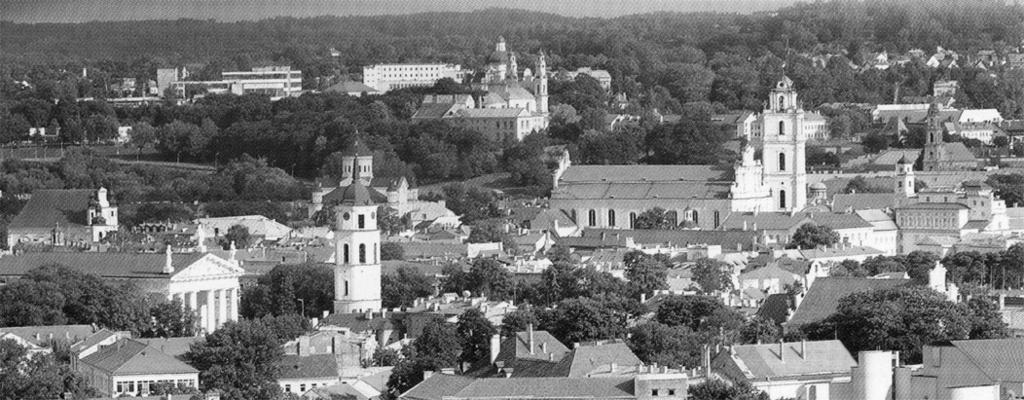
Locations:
(782, 199)
(592, 218)
(782, 103)
(611, 217)
(345, 253)
(782, 128)
(782, 161)
(362, 254)
(346, 287)
(374, 253)
(717, 217)
(632, 220)
(695, 217)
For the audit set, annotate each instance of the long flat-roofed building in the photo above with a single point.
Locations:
(385, 77)
(274, 81)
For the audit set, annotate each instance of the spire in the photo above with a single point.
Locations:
(168, 266)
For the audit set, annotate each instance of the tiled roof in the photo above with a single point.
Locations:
(1000, 359)
(976, 224)
(891, 156)
(862, 201)
(590, 242)
(434, 111)
(131, 357)
(473, 113)
(546, 218)
(48, 208)
(548, 388)
(643, 190)
(518, 347)
(764, 361)
(729, 240)
(91, 340)
(108, 265)
(852, 251)
(763, 220)
(357, 322)
(595, 358)
(71, 333)
(839, 220)
(413, 250)
(643, 173)
(437, 386)
(934, 206)
(822, 298)
(311, 366)
(174, 347)
(956, 151)
(772, 270)
(878, 218)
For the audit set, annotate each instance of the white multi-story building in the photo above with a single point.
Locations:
(275, 81)
(385, 77)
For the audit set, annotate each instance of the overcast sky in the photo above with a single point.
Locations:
(234, 10)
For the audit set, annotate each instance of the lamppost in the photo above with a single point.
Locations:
(302, 304)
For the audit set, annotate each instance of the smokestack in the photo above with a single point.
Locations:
(529, 329)
(544, 347)
(803, 349)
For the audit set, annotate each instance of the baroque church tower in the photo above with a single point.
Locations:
(357, 269)
(783, 148)
(904, 189)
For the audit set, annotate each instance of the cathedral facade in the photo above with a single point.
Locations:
(697, 196)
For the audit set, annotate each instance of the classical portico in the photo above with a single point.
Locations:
(210, 288)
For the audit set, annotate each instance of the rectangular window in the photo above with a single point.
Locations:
(362, 221)
(302, 388)
(654, 392)
(671, 392)
(287, 388)
(119, 387)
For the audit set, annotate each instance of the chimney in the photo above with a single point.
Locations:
(551, 357)
(529, 329)
(1002, 301)
(369, 315)
(383, 313)
(168, 266)
(544, 347)
(803, 349)
(427, 374)
(612, 368)
(782, 356)
(232, 250)
(643, 298)
(495, 347)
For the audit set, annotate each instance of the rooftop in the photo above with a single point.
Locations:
(643, 173)
(107, 265)
(776, 361)
(311, 366)
(131, 357)
(52, 207)
(822, 298)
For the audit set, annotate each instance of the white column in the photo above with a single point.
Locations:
(234, 304)
(192, 302)
(210, 317)
(222, 310)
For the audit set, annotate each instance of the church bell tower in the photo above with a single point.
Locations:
(357, 271)
(782, 127)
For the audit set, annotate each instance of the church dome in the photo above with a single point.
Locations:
(356, 194)
(818, 186)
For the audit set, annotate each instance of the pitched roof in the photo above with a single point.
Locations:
(175, 346)
(934, 206)
(311, 366)
(822, 298)
(892, 156)
(131, 357)
(955, 151)
(350, 87)
(347, 193)
(774, 361)
(878, 218)
(518, 347)
(548, 388)
(50, 207)
(1000, 359)
(472, 113)
(862, 201)
(839, 220)
(643, 190)
(92, 340)
(763, 220)
(71, 333)
(437, 386)
(107, 265)
(597, 357)
(435, 111)
(851, 251)
(643, 173)
(545, 219)
(729, 240)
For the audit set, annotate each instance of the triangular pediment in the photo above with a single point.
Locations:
(208, 266)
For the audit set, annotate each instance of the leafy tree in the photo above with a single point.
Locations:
(488, 232)
(171, 319)
(384, 357)
(715, 389)
(240, 360)
(712, 275)
(902, 318)
(646, 273)
(919, 264)
(439, 343)
(760, 330)
(582, 319)
(986, 320)
(693, 140)
(391, 251)
(1009, 187)
(475, 331)
(469, 202)
(489, 278)
(812, 236)
(860, 185)
(655, 218)
(286, 327)
(26, 302)
(518, 321)
(237, 234)
(90, 300)
(165, 388)
(389, 222)
(404, 286)
(38, 377)
(143, 135)
(698, 313)
(673, 346)
(616, 147)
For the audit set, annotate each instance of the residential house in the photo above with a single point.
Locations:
(129, 367)
(257, 225)
(41, 339)
(802, 370)
(300, 373)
